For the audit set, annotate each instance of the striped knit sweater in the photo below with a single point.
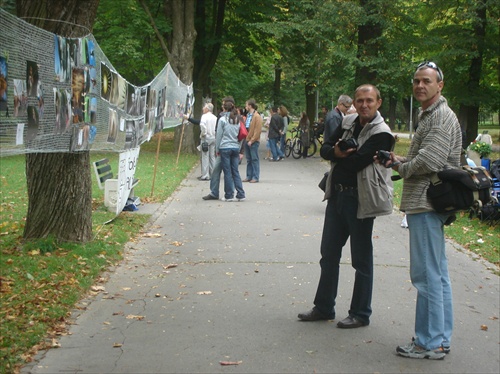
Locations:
(437, 143)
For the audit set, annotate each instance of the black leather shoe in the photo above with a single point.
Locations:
(350, 323)
(210, 197)
(313, 315)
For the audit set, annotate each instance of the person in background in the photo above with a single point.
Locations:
(216, 172)
(336, 115)
(228, 146)
(254, 121)
(207, 124)
(357, 191)
(283, 112)
(275, 132)
(351, 110)
(305, 138)
(437, 144)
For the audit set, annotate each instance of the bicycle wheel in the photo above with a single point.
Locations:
(297, 149)
(312, 148)
(288, 147)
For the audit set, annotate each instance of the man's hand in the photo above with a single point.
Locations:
(342, 154)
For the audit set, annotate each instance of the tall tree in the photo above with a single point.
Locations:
(59, 185)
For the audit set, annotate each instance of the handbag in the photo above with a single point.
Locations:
(243, 132)
(452, 190)
(322, 182)
(204, 146)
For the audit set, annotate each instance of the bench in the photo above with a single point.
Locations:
(104, 176)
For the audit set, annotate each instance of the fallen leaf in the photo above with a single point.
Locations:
(117, 345)
(98, 288)
(230, 362)
(177, 244)
(132, 316)
(151, 235)
(55, 344)
(484, 327)
(204, 293)
(169, 266)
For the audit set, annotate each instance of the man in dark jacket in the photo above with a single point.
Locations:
(335, 116)
(275, 131)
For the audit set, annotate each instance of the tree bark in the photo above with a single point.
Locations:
(368, 44)
(59, 185)
(471, 111)
(181, 41)
(60, 199)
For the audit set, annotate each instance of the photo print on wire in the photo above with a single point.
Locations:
(106, 78)
(62, 61)
(113, 126)
(20, 98)
(78, 95)
(33, 123)
(3, 83)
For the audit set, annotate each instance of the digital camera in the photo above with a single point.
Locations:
(383, 156)
(345, 144)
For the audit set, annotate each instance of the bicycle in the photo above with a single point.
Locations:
(291, 142)
(316, 140)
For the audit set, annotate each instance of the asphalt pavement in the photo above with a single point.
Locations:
(215, 287)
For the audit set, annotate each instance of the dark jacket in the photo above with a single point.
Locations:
(276, 125)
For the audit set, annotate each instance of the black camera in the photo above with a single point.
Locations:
(345, 144)
(383, 156)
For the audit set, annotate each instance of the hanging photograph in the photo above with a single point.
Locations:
(31, 78)
(33, 123)
(113, 126)
(20, 98)
(78, 95)
(62, 62)
(3, 83)
(105, 82)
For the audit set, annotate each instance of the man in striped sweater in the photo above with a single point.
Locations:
(436, 144)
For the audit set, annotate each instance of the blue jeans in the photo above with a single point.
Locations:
(429, 275)
(215, 177)
(282, 143)
(275, 150)
(253, 164)
(230, 158)
(341, 224)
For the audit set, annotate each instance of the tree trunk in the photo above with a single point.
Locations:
(181, 41)
(310, 89)
(368, 44)
(60, 199)
(392, 112)
(59, 185)
(277, 85)
(471, 111)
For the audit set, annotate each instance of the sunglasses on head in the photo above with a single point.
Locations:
(432, 65)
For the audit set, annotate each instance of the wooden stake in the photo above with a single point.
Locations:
(180, 142)
(156, 163)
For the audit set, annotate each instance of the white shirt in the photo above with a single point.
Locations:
(207, 125)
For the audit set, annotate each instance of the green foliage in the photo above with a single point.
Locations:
(484, 149)
(134, 50)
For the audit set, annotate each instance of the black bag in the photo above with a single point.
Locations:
(204, 146)
(322, 183)
(452, 190)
